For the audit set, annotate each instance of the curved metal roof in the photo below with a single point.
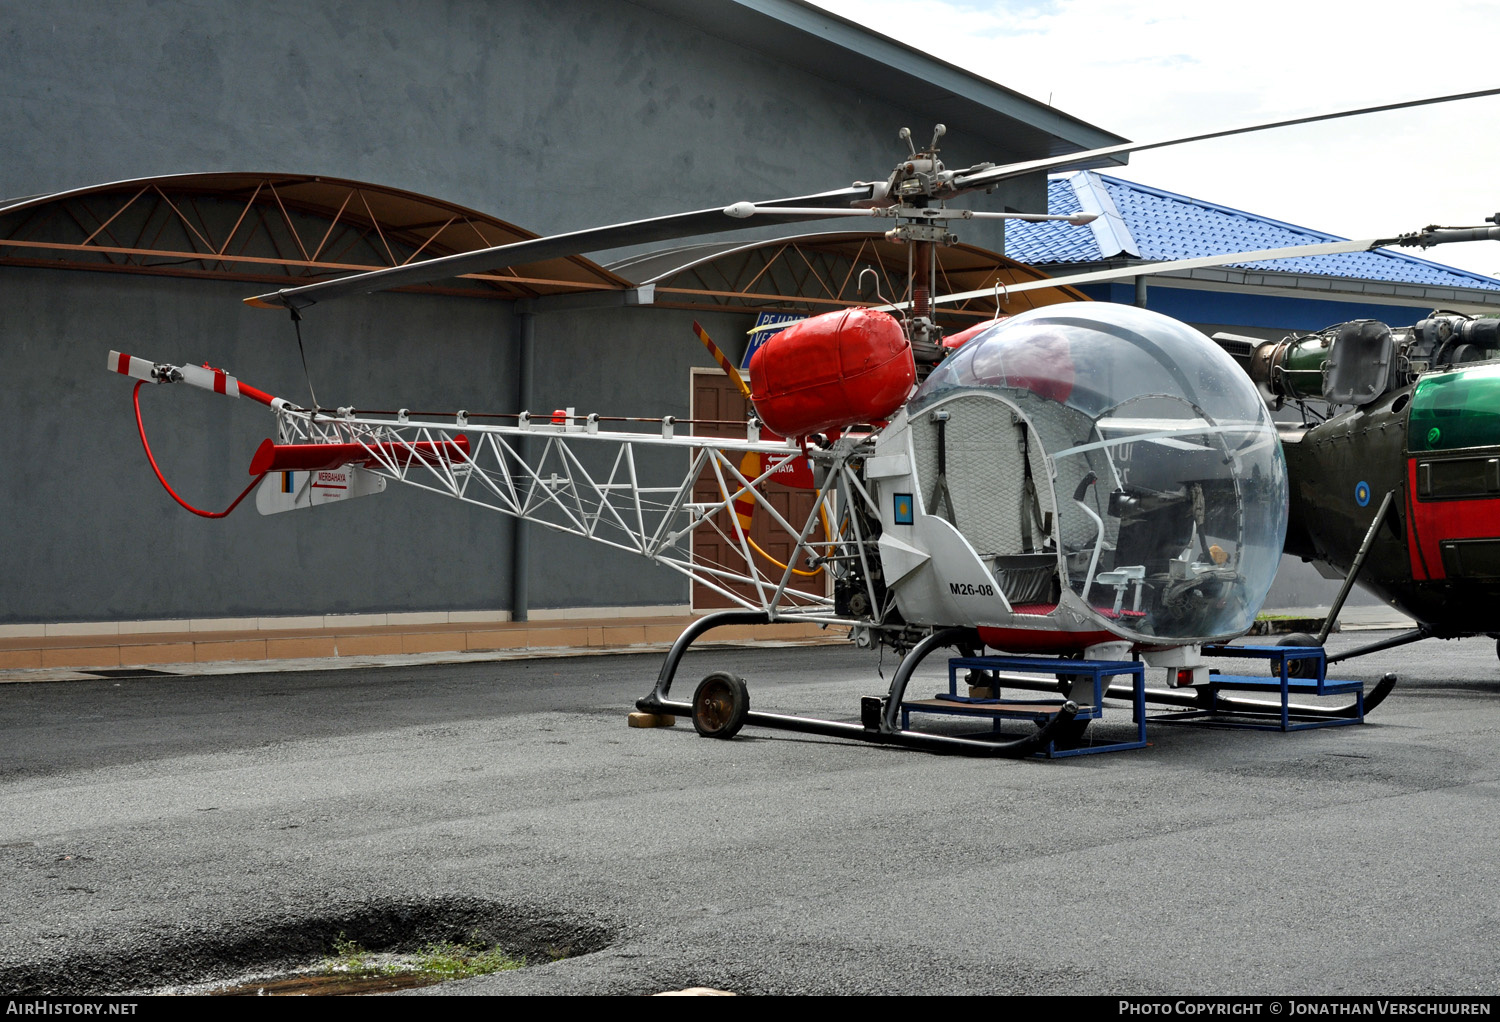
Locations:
(1145, 223)
(272, 228)
(816, 273)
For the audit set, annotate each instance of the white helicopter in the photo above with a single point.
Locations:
(1081, 480)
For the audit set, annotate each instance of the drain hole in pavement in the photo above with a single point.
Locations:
(350, 968)
(384, 951)
(368, 948)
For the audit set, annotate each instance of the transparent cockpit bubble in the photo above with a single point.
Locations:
(1168, 482)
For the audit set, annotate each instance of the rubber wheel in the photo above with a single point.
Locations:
(1070, 735)
(1299, 668)
(720, 704)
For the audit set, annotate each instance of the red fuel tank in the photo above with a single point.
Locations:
(832, 370)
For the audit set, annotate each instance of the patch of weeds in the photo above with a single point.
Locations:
(437, 962)
(459, 961)
(349, 957)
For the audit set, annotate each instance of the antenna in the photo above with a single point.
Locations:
(874, 285)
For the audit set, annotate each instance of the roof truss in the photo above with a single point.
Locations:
(272, 229)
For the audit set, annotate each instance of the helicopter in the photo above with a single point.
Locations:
(1089, 481)
(1394, 466)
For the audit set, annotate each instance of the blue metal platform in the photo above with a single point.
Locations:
(1039, 710)
(1283, 716)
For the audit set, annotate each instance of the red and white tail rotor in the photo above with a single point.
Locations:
(204, 377)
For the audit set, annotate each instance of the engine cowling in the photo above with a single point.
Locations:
(832, 370)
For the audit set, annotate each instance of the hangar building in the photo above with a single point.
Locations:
(165, 161)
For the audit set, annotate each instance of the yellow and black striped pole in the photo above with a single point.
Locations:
(744, 503)
(722, 359)
(753, 462)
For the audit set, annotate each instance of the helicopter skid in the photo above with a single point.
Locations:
(878, 716)
(1202, 699)
(923, 740)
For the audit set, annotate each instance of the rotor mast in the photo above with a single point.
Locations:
(915, 184)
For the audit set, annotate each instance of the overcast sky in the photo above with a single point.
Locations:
(1149, 70)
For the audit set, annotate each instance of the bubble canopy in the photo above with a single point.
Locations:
(1168, 481)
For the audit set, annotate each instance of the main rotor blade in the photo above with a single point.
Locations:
(594, 239)
(985, 178)
(1148, 269)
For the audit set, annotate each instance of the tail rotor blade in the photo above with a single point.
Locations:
(136, 368)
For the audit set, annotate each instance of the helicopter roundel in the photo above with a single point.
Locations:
(1362, 493)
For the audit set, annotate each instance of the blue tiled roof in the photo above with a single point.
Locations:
(1154, 224)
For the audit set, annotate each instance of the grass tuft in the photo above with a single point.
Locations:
(350, 957)
(457, 961)
(443, 960)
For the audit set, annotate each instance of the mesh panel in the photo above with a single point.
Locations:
(985, 476)
(1059, 428)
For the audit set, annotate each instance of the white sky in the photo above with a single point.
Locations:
(1155, 70)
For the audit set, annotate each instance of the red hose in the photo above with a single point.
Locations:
(141, 426)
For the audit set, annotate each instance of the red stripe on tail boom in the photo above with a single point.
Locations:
(274, 457)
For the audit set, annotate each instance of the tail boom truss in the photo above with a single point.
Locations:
(573, 477)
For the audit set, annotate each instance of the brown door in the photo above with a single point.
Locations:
(715, 397)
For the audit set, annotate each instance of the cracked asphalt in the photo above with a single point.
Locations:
(157, 832)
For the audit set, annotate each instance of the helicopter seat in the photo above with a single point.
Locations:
(1044, 609)
(1027, 578)
(1122, 579)
(982, 490)
(1033, 609)
(1058, 428)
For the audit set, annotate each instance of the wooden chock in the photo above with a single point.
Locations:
(638, 719)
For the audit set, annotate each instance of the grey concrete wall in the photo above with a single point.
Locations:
(89, 534)
(556, 115)
(635, 362)
(552, 115)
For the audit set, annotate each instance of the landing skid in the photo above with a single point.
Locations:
(879, 718)
(1195, 699)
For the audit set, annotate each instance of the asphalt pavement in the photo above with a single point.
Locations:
(159, 832)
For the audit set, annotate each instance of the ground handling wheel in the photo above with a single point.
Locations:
(720, 704)
(1299, 668)
(1070, 735)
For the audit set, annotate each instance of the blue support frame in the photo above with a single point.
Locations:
(1288, 717)
(1039, 710)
